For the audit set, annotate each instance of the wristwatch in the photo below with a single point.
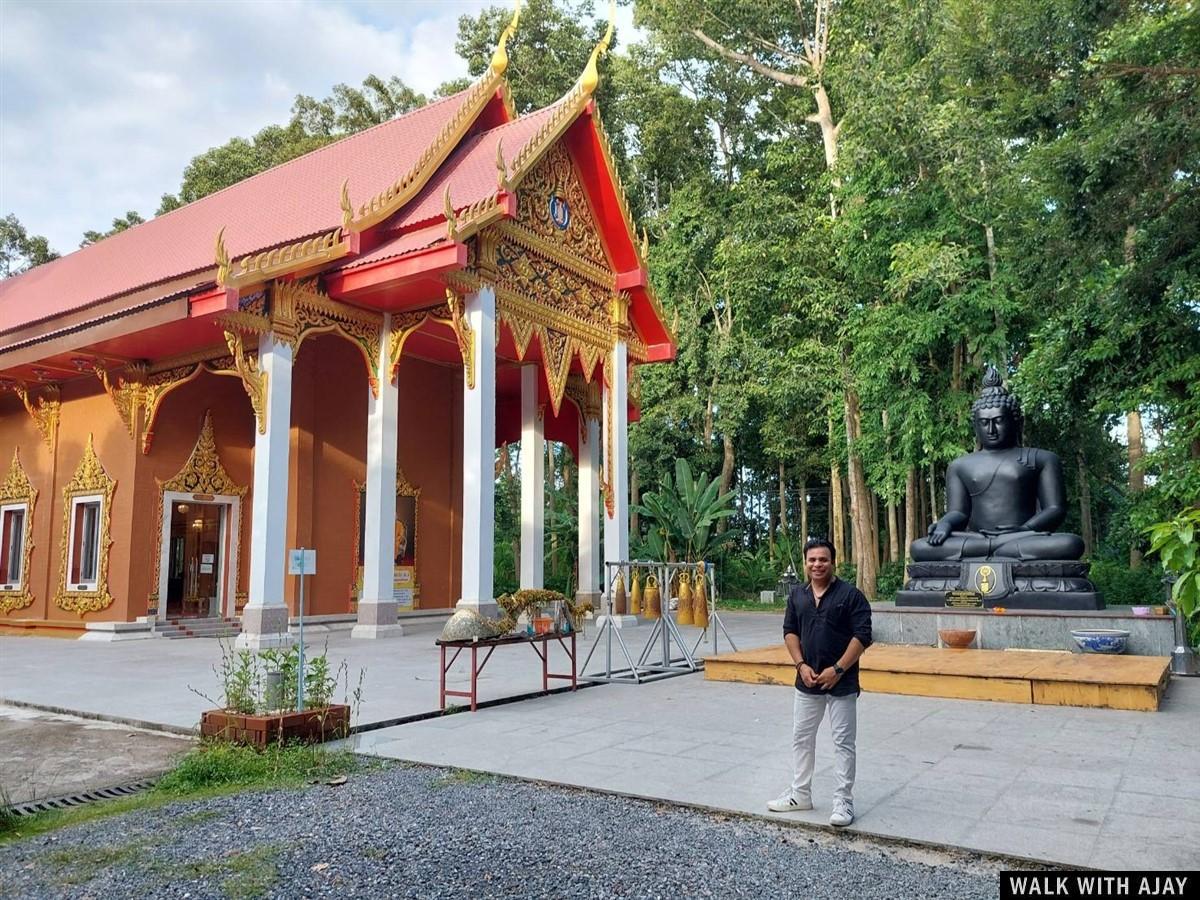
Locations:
(839, 669)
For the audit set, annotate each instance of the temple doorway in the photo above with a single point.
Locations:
(196, 559)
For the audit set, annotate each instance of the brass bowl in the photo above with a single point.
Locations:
(957, 638)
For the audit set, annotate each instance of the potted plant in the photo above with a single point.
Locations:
(259, 707)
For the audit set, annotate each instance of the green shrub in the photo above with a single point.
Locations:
(890, 580)
(1123, 586)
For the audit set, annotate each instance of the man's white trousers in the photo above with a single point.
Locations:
(807, 713)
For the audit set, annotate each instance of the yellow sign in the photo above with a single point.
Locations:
(985, 579)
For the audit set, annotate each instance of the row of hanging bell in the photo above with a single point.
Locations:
(692, 598)
(645, 601)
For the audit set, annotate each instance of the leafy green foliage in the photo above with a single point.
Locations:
(1177, 544)
(683, 513)
(20, 250)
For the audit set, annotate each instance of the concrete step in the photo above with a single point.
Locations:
(177, 629)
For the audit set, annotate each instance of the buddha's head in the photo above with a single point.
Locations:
(996, 414)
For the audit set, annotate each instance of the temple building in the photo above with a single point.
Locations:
(327, 355)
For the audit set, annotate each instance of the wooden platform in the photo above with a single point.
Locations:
(1012, 676)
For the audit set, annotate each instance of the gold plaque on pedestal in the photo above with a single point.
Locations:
(964, 599)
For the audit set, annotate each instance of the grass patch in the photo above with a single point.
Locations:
(212, 769)
(463, 776)
(250, 873)
(748, 604)
(77, 865)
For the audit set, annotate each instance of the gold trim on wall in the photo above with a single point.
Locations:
(16, 488)
(253, 379)
(90, 478)
(203, 473)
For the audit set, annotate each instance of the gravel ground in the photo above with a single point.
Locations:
(409, 831)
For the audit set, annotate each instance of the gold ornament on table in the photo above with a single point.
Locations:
(635, 593)
(684, 595)
(653, 598)
(700, 597)
(619, 595)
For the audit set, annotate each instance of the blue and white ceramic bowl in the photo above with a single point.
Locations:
(1101, 640)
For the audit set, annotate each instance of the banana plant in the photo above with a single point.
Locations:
(683, 514)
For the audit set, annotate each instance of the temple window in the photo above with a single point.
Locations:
(85, 543)
(12, 545)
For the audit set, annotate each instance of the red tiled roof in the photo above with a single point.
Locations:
(409, 242)
(471, 169)
(292, 201)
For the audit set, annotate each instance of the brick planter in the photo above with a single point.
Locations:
(309, 727)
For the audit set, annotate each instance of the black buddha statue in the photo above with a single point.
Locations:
(997, 538)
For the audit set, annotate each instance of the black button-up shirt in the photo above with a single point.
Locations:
(825, 630)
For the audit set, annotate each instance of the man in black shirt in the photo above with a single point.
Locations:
(826, 628)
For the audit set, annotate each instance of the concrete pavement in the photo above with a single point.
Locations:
(1083, 787)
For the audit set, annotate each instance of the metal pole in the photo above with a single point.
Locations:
(300, 660)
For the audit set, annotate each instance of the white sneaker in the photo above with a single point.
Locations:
(788, 802)
(843, 815)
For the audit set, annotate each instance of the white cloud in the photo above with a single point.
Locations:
(103, 102)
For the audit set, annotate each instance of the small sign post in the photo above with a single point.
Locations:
(301, 562)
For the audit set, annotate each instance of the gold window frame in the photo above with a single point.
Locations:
(17, 489)
(90, 479)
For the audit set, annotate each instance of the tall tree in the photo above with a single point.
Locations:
(20, 250)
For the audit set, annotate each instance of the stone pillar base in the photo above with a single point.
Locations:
(595, 598)
(377, 619)
(374, 632)
(264, 627)
(619, 621)
(486, 608)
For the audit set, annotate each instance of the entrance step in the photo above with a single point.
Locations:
(177, 628)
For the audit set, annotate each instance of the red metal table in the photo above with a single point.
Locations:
(539, 642)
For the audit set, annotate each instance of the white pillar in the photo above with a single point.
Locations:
(533, 482)
(479, 452)
(616, 431)
(377, 608)
(589, 513)
(265, 617)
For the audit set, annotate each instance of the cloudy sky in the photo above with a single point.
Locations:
(103, 103)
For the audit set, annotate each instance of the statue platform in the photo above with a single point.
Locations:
(1025, 629)
(1012, 584)
(1011, 676)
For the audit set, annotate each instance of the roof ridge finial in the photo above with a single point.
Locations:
(500, 55)
(590, 78)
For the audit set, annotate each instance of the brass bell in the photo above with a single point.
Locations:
(636, 603)
(619, 595)
(700, 598)
(653, 598)
(684, 615)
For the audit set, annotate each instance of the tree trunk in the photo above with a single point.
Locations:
(893, 527)
(708, 413)
(835, 512)
(635, 493)
(912, 512)
(783, 510)
(934, 515)
(726, 476)
(1085, 505)
(1137, 477)
(866, 549)
(551, 484)
(803, 511)
(771, 532)
(925, 519)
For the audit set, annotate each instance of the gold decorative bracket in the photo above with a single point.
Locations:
(44, 409)
(462, 331)
(127, 394)
(253, 379)
(16, 488)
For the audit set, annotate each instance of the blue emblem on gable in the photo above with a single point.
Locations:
(560, 212)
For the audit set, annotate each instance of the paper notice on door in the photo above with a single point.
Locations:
(206, 568)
